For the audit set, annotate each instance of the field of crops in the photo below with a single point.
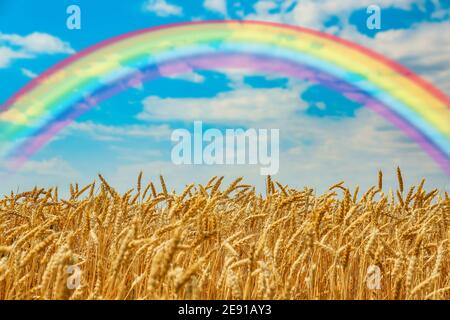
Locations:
(218, 241)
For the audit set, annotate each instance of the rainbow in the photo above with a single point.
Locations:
(50, 102)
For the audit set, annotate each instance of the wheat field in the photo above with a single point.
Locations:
(226, 242)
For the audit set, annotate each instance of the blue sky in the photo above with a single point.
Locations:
(324, 137)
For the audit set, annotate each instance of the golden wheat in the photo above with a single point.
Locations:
(215, 242)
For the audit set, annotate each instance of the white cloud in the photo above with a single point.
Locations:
(13, 47)
(243, 105)
(28, 73)
(352, 149)
(421, 48)
(101, 132)
(44, 173)
(47, 172)
(219, 6)
(38, 42)
(265, 6)
(162, 8)
(129, 154)
(7, 55)
(189, 76)
(314, 13)
(53, 166)
(440, 12)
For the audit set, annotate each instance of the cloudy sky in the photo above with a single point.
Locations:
(325, 138)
